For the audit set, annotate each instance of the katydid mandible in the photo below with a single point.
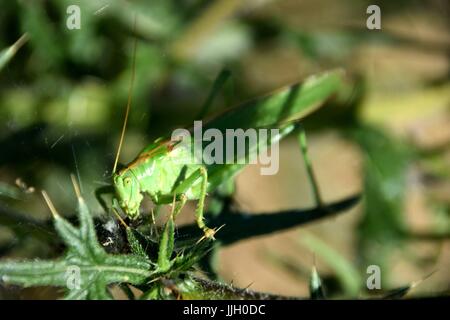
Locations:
(158, 172)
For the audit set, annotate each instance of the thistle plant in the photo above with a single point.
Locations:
(87, 271)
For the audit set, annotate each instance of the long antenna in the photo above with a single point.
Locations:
(125, 121)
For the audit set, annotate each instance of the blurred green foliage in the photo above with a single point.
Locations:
(63, 95)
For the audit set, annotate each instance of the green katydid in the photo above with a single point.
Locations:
(158, 172)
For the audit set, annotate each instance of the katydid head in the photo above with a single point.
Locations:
(128, 193)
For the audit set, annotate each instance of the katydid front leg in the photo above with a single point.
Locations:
(200, 173)
(179, 202)
(99, 192)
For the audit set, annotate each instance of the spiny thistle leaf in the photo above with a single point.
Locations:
(166, 245)
(86, 269)
(198, 288)
(134, 243)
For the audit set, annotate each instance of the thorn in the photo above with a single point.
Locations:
(249, 285)
(416, 283)
(153, 216)
(19, 43)
(173, 205)
(154, 280)
(209, 234)
(50, 205)
(153, 226)
(200, 240)
(220, 227)
(75, 186)
(101, 9)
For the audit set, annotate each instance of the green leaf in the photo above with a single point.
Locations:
(385, 170)
(386, 164)
(86, 269)
(166, 245)
(34, 273)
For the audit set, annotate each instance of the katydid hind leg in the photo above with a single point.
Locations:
(208, 233)
(309, 169)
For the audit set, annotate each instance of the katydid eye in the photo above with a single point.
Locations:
(127, 181)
